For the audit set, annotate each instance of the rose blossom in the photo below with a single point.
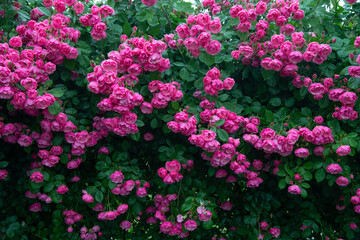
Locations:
(343, 150)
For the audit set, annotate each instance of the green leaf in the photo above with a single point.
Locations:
(208, 224)
(57, 140)
(320, 175)
(55, 109)
(269, 116)
(136, 136)
(211, 171)
(186, 207)
(154, 123)
(24, 15)
(167, 118)
(303, 193)
(207, 59)
(127, 28)
(44, 10)
(223, 97)
(184, 74)
(307, 176)
(282, 183)
(250, 220)
(46, 176)
(354, 83)
(275, 102)
(139, 123)
(3, 164)
(223, 135)
(99, 196)
(220, 122)
(141, 16)
(48, 187)
(281, 173)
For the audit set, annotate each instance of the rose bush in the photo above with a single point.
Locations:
(215, 120)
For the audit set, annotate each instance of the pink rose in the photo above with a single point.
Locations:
(148, 3)
(126, 225)
(62, 189)
(275, 232)
(37, 177)
(342, 181)
(117, 177)
(302, 152)
(3, 174)
(354, 71)
(343, 150)
(173, 165)
(214, 47)
(190, 225)
(15, 42)
(334, 169)
(215, 26)
(294, 189)
(78, 8)
(36, 207)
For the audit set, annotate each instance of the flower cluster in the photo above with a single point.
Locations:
(170, 173)
(213, 84)
(164, 93)
(183, 124)
(94, 20)
(197, 33)
(232, 120)
(89, 233)
(124, 188)
(270, 142)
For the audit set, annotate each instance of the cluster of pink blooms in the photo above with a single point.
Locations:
(162, 206)
(41, 196)
(222, 155)
(16, 133)
(183, 123)
(197, 33)
(170, 173)
(254, 50)
(205, 140)
(111, 215)
(232, 121)
(135, 56)
(240, 166)
(270, 142)
(356, 201)
(71, 217)
(176, 228)
(264, 227)
(213, 84)
(48, 38)
(94, 20)
(60, 5)
(215, 8)
(89, 234)
(124, 188)
(347, 100)
(59, 123)
(164, 93)
(81, 140)
(50, 158)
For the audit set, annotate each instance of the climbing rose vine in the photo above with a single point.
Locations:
(160, 119)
